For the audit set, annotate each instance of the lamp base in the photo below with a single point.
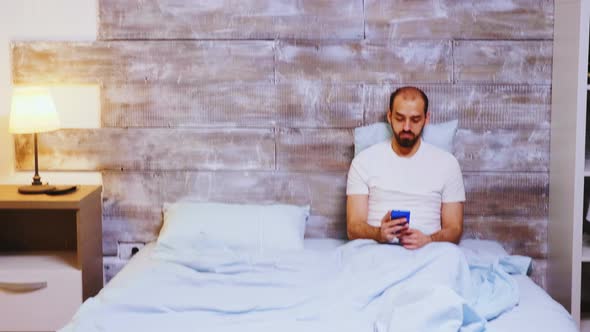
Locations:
(35, 189)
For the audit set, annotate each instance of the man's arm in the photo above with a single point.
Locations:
(357, 212)
(451, 216)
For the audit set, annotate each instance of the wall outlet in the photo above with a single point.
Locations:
(126, 250)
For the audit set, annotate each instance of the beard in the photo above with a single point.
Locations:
(409, 139)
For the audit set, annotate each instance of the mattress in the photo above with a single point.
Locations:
(536, 311)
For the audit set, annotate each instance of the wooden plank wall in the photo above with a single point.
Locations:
(256, 101)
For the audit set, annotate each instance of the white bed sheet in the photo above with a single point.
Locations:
(537, 311)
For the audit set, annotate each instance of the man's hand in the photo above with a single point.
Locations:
(392, 228)
(414, 239)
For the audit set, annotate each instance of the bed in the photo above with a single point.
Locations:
(160, 289)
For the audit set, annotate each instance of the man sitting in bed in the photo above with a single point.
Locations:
(405, 173)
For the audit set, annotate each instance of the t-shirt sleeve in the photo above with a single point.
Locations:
(454, 190)
(357, 183)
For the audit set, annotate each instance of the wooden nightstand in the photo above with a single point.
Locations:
(50, 256)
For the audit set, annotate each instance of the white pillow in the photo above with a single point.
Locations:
(488, 252)
(487, 248)
(236, 226)
(439, 134)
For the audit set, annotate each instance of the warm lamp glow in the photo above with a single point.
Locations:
(33, 111)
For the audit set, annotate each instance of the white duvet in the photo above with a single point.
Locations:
(360, 286)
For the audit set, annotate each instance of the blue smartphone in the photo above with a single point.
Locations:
(396, 214)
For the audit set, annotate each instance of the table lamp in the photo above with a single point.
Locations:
(33, 111)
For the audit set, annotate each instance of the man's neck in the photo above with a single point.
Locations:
(403, 151)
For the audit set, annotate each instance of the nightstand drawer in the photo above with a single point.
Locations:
(38, 292)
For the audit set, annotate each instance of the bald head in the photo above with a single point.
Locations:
(409, 93)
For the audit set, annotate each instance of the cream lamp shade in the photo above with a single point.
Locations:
(32, 111)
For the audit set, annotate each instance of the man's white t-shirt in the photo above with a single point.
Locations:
(419, 183)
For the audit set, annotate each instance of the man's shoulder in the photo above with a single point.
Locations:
(375, 150)
(437, 154)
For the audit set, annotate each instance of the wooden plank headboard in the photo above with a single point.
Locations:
(264, 112)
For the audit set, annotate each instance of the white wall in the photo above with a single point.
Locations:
(79, 106)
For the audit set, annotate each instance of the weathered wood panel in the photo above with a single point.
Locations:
(230, 19)
(313, 149)
(506, 194)
(149, 149)
(518, 235)
(132, 201)
(475, 106)
(328, 82)
(524, 150)
(111, 265)
(324, 191)
(527, 237)
(301, 104)
(524, 62)
(369, 62)
(442, 102)
(254, 149)
(517, 150)
(187, 62)
(539, 272)
(137, 224)
(459, 19)
(142, 223)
